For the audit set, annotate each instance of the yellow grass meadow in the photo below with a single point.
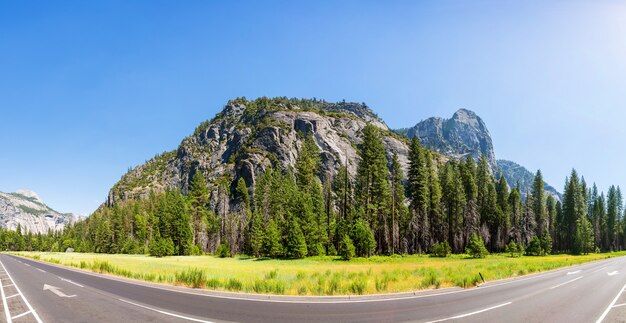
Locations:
(316, 275)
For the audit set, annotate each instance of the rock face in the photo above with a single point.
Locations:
(466, 134)
(26, 209)
(462, 135)
(249, 136)
(515, 173)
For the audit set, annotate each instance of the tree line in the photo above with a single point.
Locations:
(381, 211)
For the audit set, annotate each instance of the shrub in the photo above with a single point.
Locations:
(441, 249)
(223, 250)
(195, 250)
(546, 244)
(363, 239)
(346, 248)
(358, 286)
(161, 247)
(534, 247)
(234, 284)
(193, 277)
(476, 247)
(512, 249)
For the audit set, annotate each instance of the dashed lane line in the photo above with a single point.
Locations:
(164, 312)
(567, 282)
(71, 282)
(472, 313)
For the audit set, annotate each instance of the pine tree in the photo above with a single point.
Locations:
(198, 198)
(398, 209)
(502, 192)
(612, 214)
(436, 219)
(272, 245)
(295, 244)
(539, 204)
(372, 187)
(419, 195)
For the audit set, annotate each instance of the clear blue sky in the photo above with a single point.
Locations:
(91, 88)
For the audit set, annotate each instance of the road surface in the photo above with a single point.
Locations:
(34, 291)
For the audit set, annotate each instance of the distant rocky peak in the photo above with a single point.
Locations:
(29, 194)
(462, 135)
(468, 117)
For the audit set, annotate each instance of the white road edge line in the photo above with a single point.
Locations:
(472, 313)
(567, 282)
(20, 315)
(23, 297)
(163, 312)
(43, 271)
(601, 318)
(71, 282)
(4, 303)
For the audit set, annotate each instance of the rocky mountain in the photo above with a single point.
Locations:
(515, 173)
(248, 136)
(25, 208)
(466, 134)
(462, 135)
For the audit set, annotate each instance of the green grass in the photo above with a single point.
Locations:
(315, 275)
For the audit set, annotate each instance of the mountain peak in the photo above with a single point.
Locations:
(25, 208)
(462, 135)
(29, 194)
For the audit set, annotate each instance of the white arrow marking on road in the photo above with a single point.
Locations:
(573, 272)
(613, 273)
(56, 290)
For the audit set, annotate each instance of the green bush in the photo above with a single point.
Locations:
(193, 277)
(346, 248)
(476, 247)
(363, 239)
(441, 249)
(513, 249)
(234, 284)
(223, 250)
(534, 247)
(161, 247)
(358, 286)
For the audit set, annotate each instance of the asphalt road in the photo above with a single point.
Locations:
(33, 291)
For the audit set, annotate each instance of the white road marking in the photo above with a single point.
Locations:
(618, 305)
(71, 282)
(611, 305)
(599, 269)
(20, 315)
(472, 313)
(13, 296)
(57, 291)
(573, 272)
(4, 303)
(166, 313)
(25, 264)
(43, 271)
(567, 282)
(32, 311)
(615, 272)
